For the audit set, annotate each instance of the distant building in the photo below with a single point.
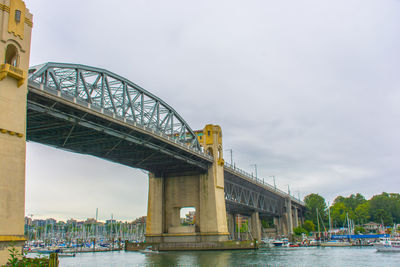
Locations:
(191, 217)
(240, 220)
(90, 221)
(28, 221)
(71, 222)
(371, 226)
(39, 223)
(112, 221)
(140, 220)
(51, 221)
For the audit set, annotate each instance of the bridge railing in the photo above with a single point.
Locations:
(262, 183)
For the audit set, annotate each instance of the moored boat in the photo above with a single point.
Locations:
(388, 245)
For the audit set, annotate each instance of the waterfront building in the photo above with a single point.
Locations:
(371, 226)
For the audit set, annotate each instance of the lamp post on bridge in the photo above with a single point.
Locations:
(255, 168)
(298, 194)
(273, 176)
(231, 151)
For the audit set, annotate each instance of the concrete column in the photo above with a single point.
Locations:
(155, 214)
(277, 225)
(231, 225)
(289, 217)
(256, 226)
(296, 217)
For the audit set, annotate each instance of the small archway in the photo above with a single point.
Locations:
(11, 57)
(210, 151)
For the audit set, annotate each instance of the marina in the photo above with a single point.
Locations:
(284, 256)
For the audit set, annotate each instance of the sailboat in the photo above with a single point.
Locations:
(339, 243)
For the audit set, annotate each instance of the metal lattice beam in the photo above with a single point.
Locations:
(115, 94)
(250, 198)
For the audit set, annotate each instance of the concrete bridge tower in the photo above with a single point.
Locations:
(168, 193)
(15, 40)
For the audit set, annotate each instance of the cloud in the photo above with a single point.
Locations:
(306, 90)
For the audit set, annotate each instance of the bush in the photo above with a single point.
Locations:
(18, 259)
(299, 231)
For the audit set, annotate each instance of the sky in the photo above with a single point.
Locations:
(306, 90)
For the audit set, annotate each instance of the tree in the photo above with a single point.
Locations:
(385, 208)
(309, 226)
(362, 213)
(339, 213)
(313, 203)
(299, 230)
(244, 228)
(359, 229)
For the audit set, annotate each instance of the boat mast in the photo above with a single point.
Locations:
(330, 222)
(319, 234)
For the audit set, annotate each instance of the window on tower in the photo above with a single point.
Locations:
(11, 55)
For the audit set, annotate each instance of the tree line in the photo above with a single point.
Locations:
(382, 209)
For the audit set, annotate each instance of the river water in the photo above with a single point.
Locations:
(306, 256)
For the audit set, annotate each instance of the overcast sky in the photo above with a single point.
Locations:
(308, 90)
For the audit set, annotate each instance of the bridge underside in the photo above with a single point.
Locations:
(53, 121)
(244, 197)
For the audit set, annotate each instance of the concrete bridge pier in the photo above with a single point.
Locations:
(255, 225)
(288, 216)
(296, 217)
(277, 225)
(168, 193)
(15, 38)
(231, 225)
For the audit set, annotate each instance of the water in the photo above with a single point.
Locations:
(311, 256)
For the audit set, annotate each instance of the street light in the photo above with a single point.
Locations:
(298, 194)
(255, 168)
(273, 176)
(231, 151)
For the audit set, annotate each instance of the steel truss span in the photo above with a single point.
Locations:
(115, 96)
(95, 112)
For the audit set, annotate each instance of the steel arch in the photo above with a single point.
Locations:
(110, 92)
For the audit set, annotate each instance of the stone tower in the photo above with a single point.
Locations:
(15, 40)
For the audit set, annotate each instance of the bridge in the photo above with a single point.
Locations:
(96, 112)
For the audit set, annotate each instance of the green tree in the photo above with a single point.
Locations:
(299, 230)
(353, 201)
(313, 203)
(385, 207)
(309, 226)
(359, 229)
(362, 213)
(339, 213)
(244, 228)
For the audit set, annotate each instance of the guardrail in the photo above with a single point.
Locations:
(262, 182)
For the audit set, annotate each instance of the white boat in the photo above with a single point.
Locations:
(281, 243)
(388, 245)
(277, 243)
